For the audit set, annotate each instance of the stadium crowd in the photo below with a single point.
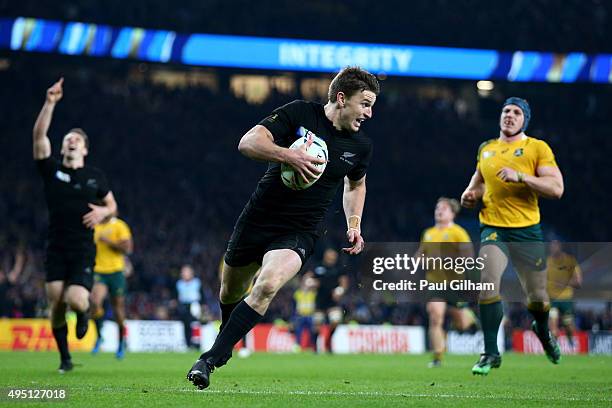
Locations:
(171, 158)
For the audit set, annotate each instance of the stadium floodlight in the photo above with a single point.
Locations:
(485, 85)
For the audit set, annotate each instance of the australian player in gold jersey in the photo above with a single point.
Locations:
(564, 274)
(305, 297)
(445, 239)
(513, 171)
(114, 243)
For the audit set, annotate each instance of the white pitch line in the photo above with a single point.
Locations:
(346, 394)
(382, 394)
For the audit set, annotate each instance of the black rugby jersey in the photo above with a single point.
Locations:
(328, 277)
(68, 193)
(278, 208)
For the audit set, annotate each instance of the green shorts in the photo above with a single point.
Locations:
(115, 281)
(524, 246)
(565, 307)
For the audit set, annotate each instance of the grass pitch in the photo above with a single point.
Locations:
(268, 380)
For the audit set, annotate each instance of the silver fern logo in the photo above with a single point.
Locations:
(347, 156)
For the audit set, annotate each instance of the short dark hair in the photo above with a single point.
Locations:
(82, 133)
(352, 80)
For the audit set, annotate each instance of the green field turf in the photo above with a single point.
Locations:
(291, 381)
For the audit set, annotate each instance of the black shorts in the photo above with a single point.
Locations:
(451, 299)
(323, 303)
(72, 267)
(250, 243)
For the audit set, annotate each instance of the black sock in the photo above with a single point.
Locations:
(569, 333)
(226, 311)
(328, 340)
(540, 315)
(241, 321)
(61, 338)
(491, 315)
(99, 323)
(82, 315)
(121, 332)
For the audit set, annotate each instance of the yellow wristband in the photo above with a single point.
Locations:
(519, 175)
(354, 222)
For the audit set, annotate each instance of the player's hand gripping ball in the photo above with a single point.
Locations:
(318, 149)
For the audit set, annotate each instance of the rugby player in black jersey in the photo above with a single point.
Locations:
(78, 198)
(333, 284)
(278, 227)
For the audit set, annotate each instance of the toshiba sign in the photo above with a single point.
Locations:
(379, 339)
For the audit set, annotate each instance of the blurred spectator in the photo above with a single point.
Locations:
(189, 290)
(10, 302)
(304, 298)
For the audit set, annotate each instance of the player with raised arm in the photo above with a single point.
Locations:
(78, 198)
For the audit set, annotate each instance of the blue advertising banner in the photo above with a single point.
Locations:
(76, 38)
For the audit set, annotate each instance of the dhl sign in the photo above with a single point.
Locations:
(36, 335)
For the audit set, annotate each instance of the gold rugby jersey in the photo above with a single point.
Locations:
(506, 204)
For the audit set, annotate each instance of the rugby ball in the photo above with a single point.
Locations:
(318, 149)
